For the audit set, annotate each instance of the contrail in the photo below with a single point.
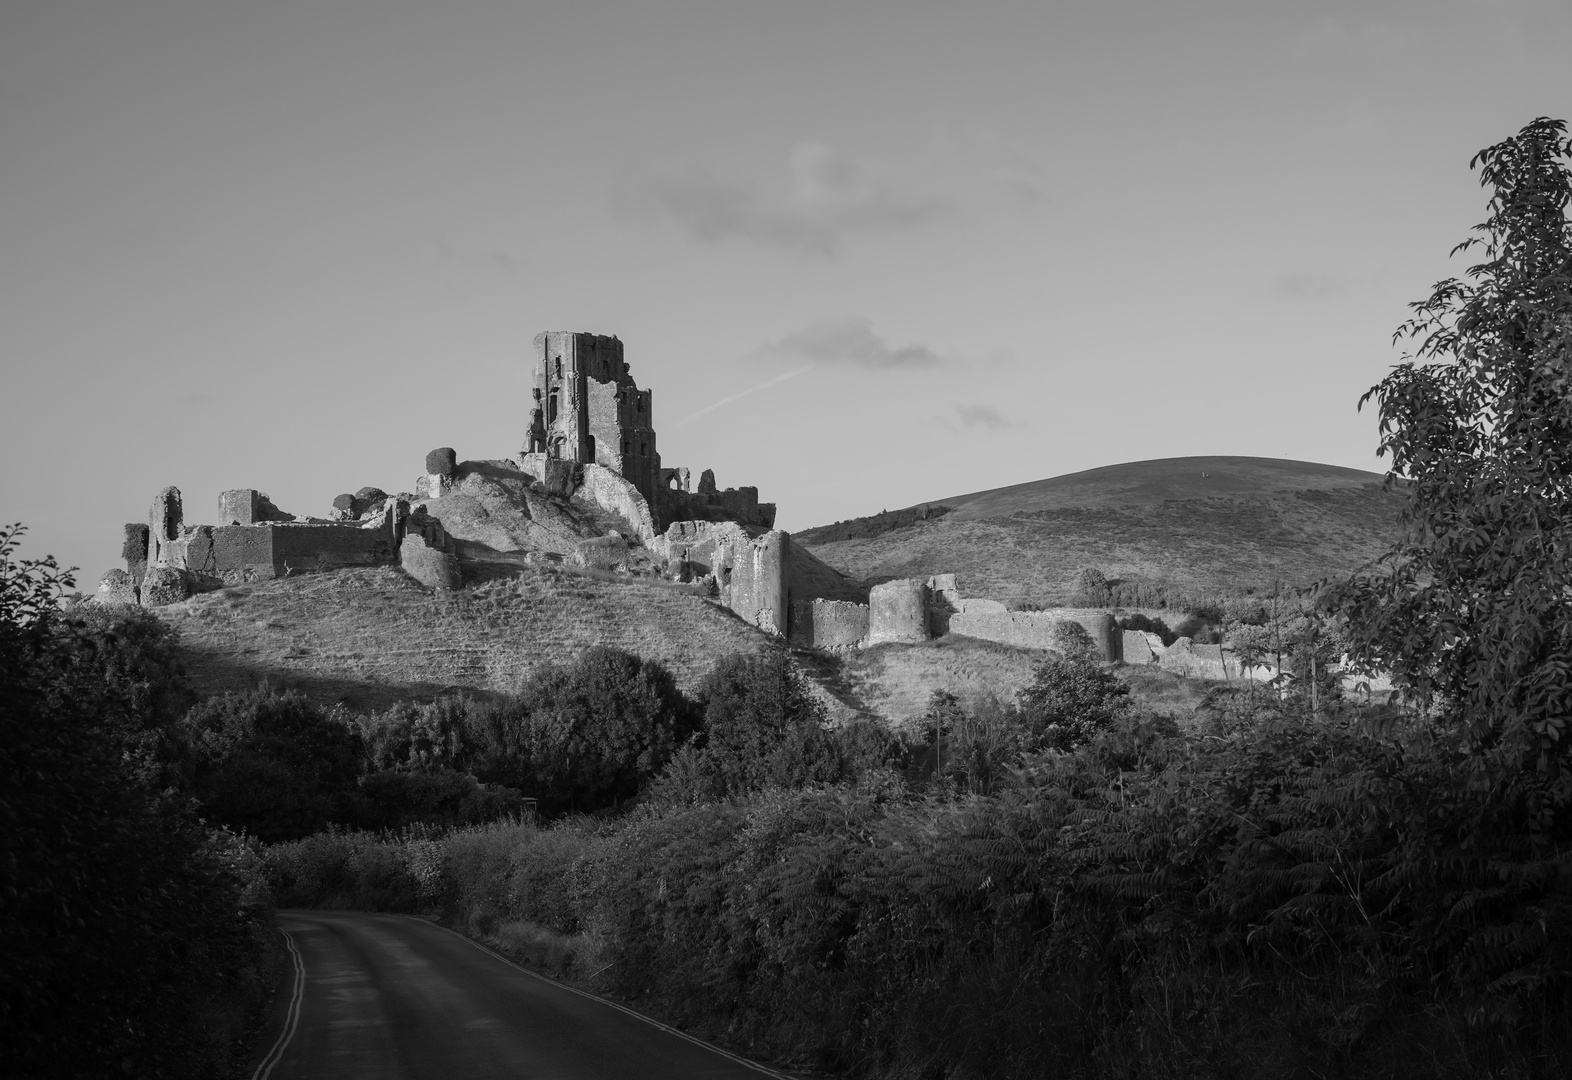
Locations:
(743, 393)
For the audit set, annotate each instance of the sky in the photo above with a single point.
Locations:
(865, 254)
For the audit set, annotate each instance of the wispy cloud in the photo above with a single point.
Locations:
(1012, 168)
(1308, 285)
(1369, 39)
(739, 395)
(830, 196)
(481, 258)
(981, 416)
(848, 341)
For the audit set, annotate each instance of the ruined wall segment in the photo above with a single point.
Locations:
(829, 624)
(898, 611)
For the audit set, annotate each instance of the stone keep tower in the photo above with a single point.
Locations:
(590, 409)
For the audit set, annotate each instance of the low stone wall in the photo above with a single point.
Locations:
(1035, 629)
(230, 554)
(829, 624)
(1184, 657)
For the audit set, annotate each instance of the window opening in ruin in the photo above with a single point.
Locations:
(559, 367)
(725, 575)
(644, 449)
(591, 448)
(624, 447)
(551, 409)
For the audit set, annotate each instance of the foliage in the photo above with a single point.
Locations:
(1071, 698)
(976, 746)
(271, 764)
(441, 797)
(762, 727)
(1146, 904)
(132, 938)
(1144, 623)
(1469, 611)
(598, 728)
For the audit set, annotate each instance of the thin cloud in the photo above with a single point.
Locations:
(981, 416)
(1015, 170)
(830, 196)
(849, 342)
(481, 258)
(739, 395)
(1307, 285)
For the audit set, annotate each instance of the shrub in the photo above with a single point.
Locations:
(442, 797)
(271, 764)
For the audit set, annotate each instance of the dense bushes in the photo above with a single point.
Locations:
(132, 938)
(272, 765)
(1233, 904)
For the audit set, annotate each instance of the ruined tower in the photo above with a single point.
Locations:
(591, 409)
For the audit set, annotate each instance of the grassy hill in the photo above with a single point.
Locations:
(373, 636)
(1201, 525)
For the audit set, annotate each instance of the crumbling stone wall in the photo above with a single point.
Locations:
(752, 580)
(1137, 649)
(709, 503)
(898, 611)
(248, 506)
(1185, 657)
(829, 624)
(913, 610)
(991, 621)
(175, 558)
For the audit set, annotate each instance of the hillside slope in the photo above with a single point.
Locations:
(1197, 524)
(369, 637)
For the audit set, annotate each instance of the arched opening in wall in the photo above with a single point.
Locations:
(673, 482)
(592, 458)
(558, 443)
(551, 408)
(559, 367)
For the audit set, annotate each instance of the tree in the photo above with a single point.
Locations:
(125, 925)
(1070, 699)
(1470, 611)
(581, 736)
(272, 764)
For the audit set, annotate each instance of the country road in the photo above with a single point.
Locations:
(394, 998)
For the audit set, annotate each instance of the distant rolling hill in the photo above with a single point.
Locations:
(1190, 526)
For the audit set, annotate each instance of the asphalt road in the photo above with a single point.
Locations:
(403, 999)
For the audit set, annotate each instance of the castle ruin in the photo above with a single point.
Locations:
(587, 489)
